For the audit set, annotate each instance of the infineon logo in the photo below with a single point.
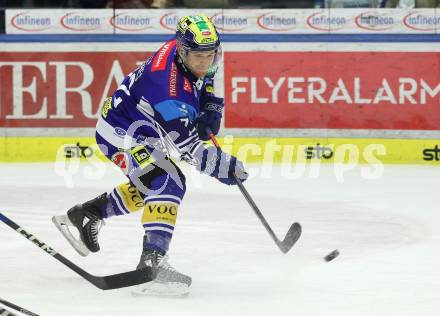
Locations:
(75, 21)
(323, 22)
(276, 22)
(127, 22)
(373, 21)
(421, 22)
(169, 21)
(26, 22)
(229, 23)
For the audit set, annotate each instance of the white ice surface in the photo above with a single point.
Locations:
(387, 230)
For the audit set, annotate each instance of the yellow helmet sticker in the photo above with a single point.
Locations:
(201, 27)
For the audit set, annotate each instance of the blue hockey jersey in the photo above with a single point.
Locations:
(157, 104)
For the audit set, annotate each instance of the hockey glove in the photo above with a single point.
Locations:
(221, 165)
(210, 116)
(235, 166)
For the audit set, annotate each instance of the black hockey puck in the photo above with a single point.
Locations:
(332, 255)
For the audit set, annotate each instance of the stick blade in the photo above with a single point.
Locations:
(291, 238)
(120, 280)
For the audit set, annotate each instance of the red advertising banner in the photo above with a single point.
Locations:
(338, 90)
(59, 89)
(353, 90)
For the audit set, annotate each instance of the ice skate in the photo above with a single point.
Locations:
(86, 218)
(167, 281)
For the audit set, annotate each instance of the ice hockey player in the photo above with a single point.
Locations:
(160, 111)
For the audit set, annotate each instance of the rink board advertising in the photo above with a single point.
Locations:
(60, 89)
(251, 150)
(318, 90)
(228, 21)
(53, 90)
(289, 90)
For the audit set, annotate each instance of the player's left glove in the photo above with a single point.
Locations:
(220, 165)
(227, 166)
(210, 116)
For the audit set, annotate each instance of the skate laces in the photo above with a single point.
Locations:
(158, 261)
(95, 227)
(163, 262)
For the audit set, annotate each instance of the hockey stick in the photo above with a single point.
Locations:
(108, 282)
(294, 231)
(5, 312)
(17, 308)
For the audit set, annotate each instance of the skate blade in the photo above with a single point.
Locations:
(177, 290)
(62, 223)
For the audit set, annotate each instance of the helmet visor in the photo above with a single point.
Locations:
(201, 62)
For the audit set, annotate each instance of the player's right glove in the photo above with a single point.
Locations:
(210, 116)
